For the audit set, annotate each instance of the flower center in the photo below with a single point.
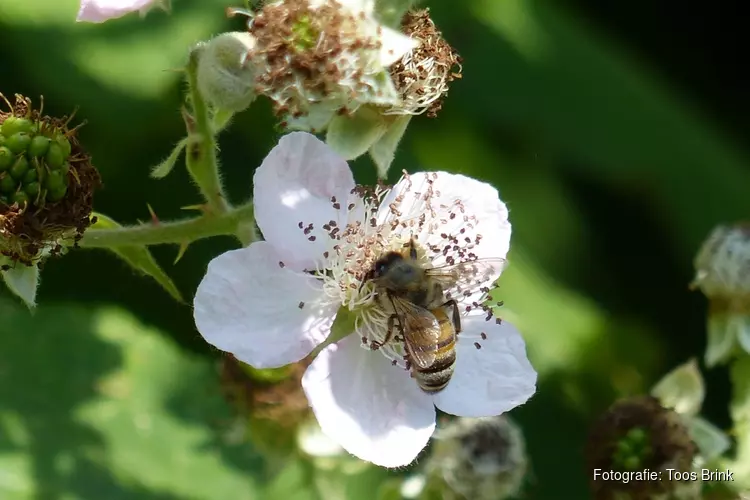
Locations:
(439, 229)
(305, 34)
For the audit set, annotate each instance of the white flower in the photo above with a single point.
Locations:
(273, 302)
(317, 58)
(98, 11)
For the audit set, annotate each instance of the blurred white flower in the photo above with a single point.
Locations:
(98, 11)
(273, 302)
(318, 58)
(480, 458)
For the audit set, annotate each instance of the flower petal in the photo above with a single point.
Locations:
(481, 212)
(267, 316)
(366, 6)
(98, 11)
(394, 45)
(295, 186)
(373, 409)
(491, 380)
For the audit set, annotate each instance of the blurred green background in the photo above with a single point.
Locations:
(610, 130)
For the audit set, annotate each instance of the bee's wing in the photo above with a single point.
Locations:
(470, 275)
(421, 332)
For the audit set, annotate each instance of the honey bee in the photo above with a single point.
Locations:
(427, 319)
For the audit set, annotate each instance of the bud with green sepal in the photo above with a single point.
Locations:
(723, 275)
(46, 183)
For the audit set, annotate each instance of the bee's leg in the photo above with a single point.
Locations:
(374, 345)
(456, 314)
(412, 249)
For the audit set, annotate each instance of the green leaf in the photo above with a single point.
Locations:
(682, 389)
(383, 150)
(162, 169)
(352, 136)
(586, 100)
(139, 257)
(95, 405)
(294, 482)
(21, 280)
(390, 490)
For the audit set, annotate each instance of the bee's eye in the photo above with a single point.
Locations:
(380, 268)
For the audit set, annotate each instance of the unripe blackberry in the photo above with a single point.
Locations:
(46, 183)
(6, 157)
(17, 143)
(39, 146)
(7, 183)
(16, 124)
(20, 167)
(638, 434)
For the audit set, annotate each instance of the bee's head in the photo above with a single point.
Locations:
(393, 272)
(382, 268)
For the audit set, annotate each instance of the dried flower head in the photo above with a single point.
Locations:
(480, 458)
(317, 58)
(46, 184)
(634, 435)
(723, 275)
(422, 75)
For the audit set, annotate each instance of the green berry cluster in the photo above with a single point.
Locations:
(34, 164)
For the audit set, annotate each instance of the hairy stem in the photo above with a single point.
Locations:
(201, 159)
(230, 222)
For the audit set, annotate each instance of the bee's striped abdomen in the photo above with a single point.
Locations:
(436, 377)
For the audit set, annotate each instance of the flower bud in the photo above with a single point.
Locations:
(225, 71)
(723, 275)
(423, 75)
(46, 183)
(636, 435)
(480, 458)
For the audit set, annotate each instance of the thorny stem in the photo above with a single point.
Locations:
(232, 222)
(201, 159)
